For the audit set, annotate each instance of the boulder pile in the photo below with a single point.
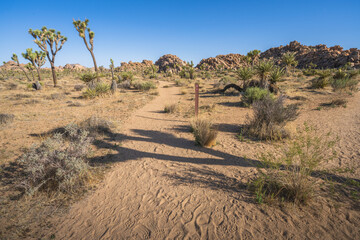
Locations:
(75, 67)
(170, 63)
(321, 55)
(229, 61)
(11, 65)
(134, 66)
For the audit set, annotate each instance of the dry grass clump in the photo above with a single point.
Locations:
(58, 163)
(6, 118)
(143, 85)
(270, 117)
(171, 108)
(204, 132)
(335, 103)
(288, 177)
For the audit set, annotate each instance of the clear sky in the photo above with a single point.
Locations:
(136, 30)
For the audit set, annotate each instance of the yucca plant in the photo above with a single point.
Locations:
(323, 79)
(276, 75)
(37, 59)
(49, 37)
(245, 74)
(288, 59)
(263, 69)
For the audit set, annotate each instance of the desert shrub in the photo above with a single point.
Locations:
(253, 94)
(88, 77)
(180, 82)
(171, 108)
(346, 83)
(288, 176)
(319, 82)
(95, 125)
(204, 132)
(144, 85)
(353, 73)
(125, 76)
(270, 117)
(58, 163)
(125, 84)
(99, 89)
(6, 118)
(339, 74)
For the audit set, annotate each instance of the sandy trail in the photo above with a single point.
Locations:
(165, 187)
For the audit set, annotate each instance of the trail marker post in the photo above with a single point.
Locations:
(196, 99)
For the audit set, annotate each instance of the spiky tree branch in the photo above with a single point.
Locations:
(82, 27)
(45, 38)
(16, 59)
(37, 59)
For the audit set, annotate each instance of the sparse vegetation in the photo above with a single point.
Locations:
(143, 85)
(97, 90)
(171, 108)
(289, 177)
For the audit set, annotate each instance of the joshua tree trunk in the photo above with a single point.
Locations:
(32, 73)
(22, 69)
(53, 73)
(39, 76)
(112, 73)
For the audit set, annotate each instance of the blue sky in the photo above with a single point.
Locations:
(137, 30)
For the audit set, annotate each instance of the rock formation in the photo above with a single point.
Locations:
(229, 61)
(170, 63)
(134, 66)
(320, 55)
(74, 67)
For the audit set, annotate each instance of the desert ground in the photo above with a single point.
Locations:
(152, 181)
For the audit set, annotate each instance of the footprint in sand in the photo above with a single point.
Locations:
(225, 231)
(177, 233)
(203, 219)
(141, 232)
(217, 218)
(129, 223)
(187, 216)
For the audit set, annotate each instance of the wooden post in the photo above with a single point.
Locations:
(196, 99)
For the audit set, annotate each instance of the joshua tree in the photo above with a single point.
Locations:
(37, 59)
(30, 67)
(254, 54)
(245, 74)
(82, 27)
(276, 75)
(16, 59)
(112, 68)
(263, 69)
(288, 59)
(49, 37)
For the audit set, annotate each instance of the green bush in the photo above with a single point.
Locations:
(58, 163)
(288, 176)
(99, 89)
(253, 94)
(125, 76)
(88, 77)
(345, 83)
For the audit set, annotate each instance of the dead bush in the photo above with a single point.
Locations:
(270, 117)
(204, 132)
(58, 163)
